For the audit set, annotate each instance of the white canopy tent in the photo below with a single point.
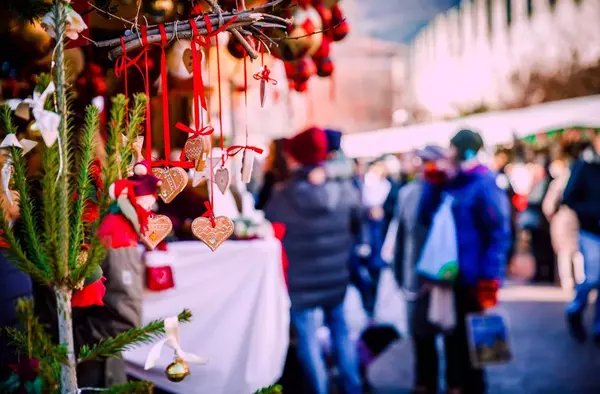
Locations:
(495, 127)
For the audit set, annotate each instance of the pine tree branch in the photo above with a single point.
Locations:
(136, 118)
(27, 209)
(135, 387)
(128, 339)
(18, 257)
(84, 183)
(273, 389)
(112, 170)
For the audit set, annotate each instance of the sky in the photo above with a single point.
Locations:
(393, 20)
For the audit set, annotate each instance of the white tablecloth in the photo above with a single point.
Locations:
(240, 320)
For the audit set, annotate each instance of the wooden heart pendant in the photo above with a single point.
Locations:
(159, 226)
(174, 180)
(213, 237)
(222, 179)
(188, 62)
(194, 148)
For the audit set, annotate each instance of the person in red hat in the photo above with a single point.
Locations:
(318, 240)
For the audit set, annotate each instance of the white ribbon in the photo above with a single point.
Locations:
(7, 169)
(46, 121)
(24, 144)
(198, 176)
(172, 339)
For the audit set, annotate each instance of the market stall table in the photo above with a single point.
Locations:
(240, 321)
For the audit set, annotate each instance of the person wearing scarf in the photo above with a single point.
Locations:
(482, 217)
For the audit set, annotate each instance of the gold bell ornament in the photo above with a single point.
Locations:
(179, 369)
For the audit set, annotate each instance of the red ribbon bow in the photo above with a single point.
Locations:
(265, 75)
(234, 150)
(209, 213)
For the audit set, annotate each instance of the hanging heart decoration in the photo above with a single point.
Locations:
(174, 180)
(222, 179)
(213, 237)
(188, 60)
(159, 226)
(194, 148)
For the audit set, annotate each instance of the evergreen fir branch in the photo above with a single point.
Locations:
(39, 341)
(115, 130)
(128, 339)
(18, 257)
(27, 209)
(49, 203)
(136, 117)
(63, 188)
(84, 182)
(274, 389)
(28, 10)
(134, 387)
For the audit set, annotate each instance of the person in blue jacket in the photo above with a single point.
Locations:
(482, 215)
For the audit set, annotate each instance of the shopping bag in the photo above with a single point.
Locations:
(439, 258)
(488, 338)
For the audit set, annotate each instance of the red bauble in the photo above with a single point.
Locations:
(291, 86)
(236, 49)
(301, 87)
(341, 31)
(323, 50)
(95, 69)
(326, 15)
(91, 294)
(337, 14)
(325, 67)
(305, 68)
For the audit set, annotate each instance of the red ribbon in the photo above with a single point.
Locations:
(165, 92)
(209, 213)
(265, 75)
(235, 149)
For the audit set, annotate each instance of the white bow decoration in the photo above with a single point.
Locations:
(198, 176)
(7, 168)
(74, 22)
(172, 339)
(47, 121)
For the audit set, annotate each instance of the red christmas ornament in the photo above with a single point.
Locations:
(301, 87)
(325, 67)
(337, 14)
(341, 31)
(323, 50)
(326, 15)
(305, 69)
(290, 69)
(236, 49)
(291, 86)
(91, 294)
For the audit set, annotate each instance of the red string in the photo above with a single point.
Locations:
(165, 92)
(220, 102)
(209, 213)
(235, 149)
(265, 75)
(148, 141)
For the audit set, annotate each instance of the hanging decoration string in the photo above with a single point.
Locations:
(165, 94)
(264, 76)
(147, 90)
(209, 213)
(235, 149)
(221, 141)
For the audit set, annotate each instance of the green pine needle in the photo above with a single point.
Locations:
(128, 339)
(84, 183)
(27, 209)
(135, 387)
(274, 389)
(18, 257)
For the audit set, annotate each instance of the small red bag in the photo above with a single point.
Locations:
(159, 270)
(279, 232)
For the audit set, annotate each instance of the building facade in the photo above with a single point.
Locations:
(481, 53)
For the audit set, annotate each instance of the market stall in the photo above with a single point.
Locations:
(496, 127)
(241, 317)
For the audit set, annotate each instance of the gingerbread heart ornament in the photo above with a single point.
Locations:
(174, 180)
(213, 237)
(222, 179)
(188, 61)
(194, 147)
(159, 226)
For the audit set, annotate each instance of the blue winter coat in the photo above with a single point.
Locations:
(14, 284)
(318, 237)
(482, 215)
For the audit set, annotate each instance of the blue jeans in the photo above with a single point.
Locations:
(590, 248)
(310, 353)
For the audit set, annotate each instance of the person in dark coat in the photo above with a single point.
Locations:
(318, 242)
(14, 284)
(276, 172)
(410, 236)
(482, 219)
(582, 195)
